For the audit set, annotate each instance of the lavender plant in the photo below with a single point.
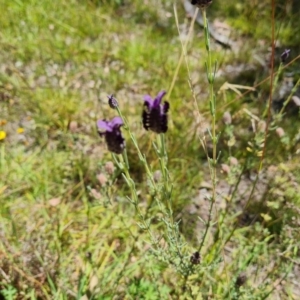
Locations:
(167, 244)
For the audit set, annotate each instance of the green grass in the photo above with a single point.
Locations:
(62, 234)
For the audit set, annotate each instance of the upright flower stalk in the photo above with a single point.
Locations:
(116, 145)
(155, 118)
(113, 103)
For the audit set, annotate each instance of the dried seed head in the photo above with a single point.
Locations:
(195, 258)
(241, 279)
(280, 132)
(102, 179)
(201, 3)
(227, 118)
(109, 167)
(88, 255)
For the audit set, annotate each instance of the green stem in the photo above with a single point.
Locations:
(141, 156)
(289, 97)
(163, 160)
(212, 102)
(134, 197)
(274, 86)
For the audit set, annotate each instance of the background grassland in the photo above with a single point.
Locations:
(63, 235)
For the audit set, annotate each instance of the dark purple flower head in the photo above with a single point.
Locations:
(155, 116)
(285, 54)
(195, 258)
(112, 133)
(112, 101)
(201, 3)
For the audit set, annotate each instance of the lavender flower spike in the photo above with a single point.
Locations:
(155, 116)
(112, 133)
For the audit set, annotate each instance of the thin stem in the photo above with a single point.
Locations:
(163, 159)
(141, 156)
(184, 55)
(238, 97)
(289, 97)
(278, 73)
(212, 102)
(134, 197)
(271, 87)
(184, 46)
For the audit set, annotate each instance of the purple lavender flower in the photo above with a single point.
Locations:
(155, 115)
(201, 3)
(284, 56)
(112, 133)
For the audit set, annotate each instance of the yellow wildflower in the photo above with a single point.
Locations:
(2, 135)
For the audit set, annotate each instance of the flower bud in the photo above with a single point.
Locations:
(109, 167)
(157, 176)
(94, 193)
(102, 179)
(112, 101)
(73, 126)
(284, 56)
(225, 169)
(280, 132)
(227, 118)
